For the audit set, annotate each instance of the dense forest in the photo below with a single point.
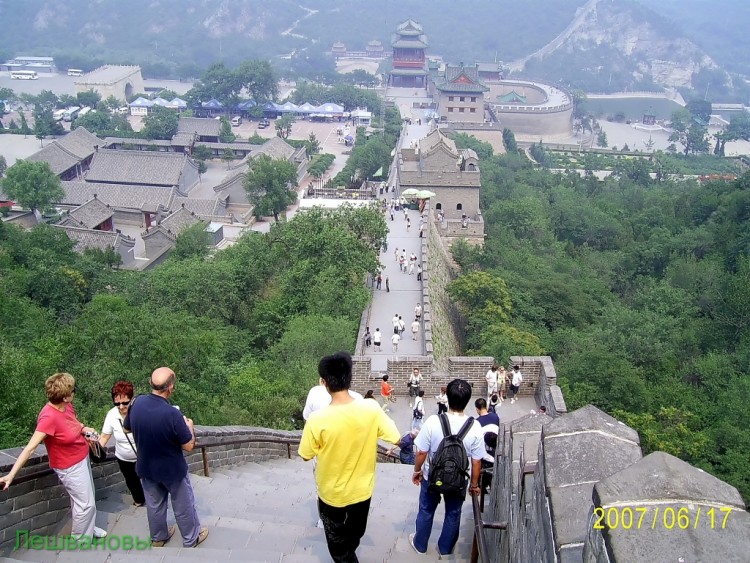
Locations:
(243, 330)
(639, 290)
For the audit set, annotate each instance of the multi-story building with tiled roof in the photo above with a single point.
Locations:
(69, 156)
(460, 95)
(409, 62)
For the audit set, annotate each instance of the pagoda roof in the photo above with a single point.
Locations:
(408, 72)
(408, 43)
(459, 78)
(512, 97)
(409, 27)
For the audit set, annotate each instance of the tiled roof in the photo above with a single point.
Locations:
(433, 140)
(65, 152)
(119, 196)
(178, 221)
(202, 207)
(408, 43)
(88, 238)
(137, 167)
(276, 148)
(461, 79)
(201, 126)
(89, 215)
(56, 156)
(183, 139)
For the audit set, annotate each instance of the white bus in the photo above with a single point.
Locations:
(75, 72)
(23, 75)
(71, 113)
(84, 111)
(58, 114)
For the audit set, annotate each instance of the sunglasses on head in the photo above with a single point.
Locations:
(123, 404)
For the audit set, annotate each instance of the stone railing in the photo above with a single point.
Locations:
(37, 502)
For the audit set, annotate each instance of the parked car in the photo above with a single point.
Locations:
(263, 123)
(236, 121)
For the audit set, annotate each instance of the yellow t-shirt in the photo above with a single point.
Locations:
(345, 439)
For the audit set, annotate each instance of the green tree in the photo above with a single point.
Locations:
(509, 141)
(485, 295)
(89, 98)
(202, 152)
(312, 145)
(3, 166)
(161, 123)
(271, 185)
(601, 139)
(25, 129)
(259, 79)
(40, 130)
(192, 242)
(32, 185)
(284, 126)
(227, 156)
(225, 133)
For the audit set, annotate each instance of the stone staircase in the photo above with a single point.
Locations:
(267, 512)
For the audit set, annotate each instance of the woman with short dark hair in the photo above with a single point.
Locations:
(125, 453)
(65, 438)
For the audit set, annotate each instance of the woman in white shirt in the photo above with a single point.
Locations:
(125, 453)
(418, 412)
(415, 383)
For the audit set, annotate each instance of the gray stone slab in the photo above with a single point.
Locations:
(702, 543)
(661, 476)
(585, 457)
(570, 508)
(590, 418)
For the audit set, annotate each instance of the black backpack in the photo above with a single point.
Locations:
(449, 465)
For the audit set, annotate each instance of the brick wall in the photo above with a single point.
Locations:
(41, 505)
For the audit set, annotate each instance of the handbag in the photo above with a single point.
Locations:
(97, 454)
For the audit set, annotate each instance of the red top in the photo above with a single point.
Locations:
(65, 444)
(385, 388)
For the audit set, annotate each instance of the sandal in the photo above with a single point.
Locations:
(161, 543)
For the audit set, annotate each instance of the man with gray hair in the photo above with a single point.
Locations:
(161, 434)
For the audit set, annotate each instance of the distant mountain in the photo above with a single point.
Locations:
(600, 45)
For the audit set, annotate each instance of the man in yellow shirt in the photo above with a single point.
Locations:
(344, 438)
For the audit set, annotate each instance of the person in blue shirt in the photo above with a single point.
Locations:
(161, 434)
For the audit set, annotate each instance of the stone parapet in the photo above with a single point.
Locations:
(36, 502)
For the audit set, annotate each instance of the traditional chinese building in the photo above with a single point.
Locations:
(409, 62)
(461, 95)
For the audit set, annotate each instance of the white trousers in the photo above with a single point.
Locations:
(79, 484)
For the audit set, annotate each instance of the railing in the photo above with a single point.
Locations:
(288, 441)
(479, 551)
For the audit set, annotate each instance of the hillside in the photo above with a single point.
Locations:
(596, 45)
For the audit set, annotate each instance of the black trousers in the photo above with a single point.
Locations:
(132, 481)
(344, 527)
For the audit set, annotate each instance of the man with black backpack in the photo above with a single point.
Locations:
(444, 446)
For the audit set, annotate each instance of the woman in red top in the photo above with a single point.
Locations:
(67, 450)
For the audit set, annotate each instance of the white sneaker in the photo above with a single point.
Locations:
(99, 533)
(320, 524)
(411, 541)
(512, 401)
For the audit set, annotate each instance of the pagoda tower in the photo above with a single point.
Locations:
(409, 62)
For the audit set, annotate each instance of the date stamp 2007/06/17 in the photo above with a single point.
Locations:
(656, 517)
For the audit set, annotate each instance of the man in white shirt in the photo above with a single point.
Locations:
(491, 378)
(396, 324)
(395, 340)
(427, 442)
(377, 339)
(418, 311)
(414, 329)
(515, 382)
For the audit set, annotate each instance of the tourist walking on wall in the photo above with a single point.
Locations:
(387, 285)
(418, 312)
(343, 439)
(125, 451)
(377, 339)
(408, 224)
(385, 392)
(368, 337)
(161, 434)
(379, 281)
(401, 325)
(414, 329)
(427, 444)
(502, 381)
(415, 383)
(406, 452)
(418, 412)
(419, 272)
(411, 269)
(515, 382)
(395, 339)
(396, 324)
(67, 441)
(442, 400)
(491, 379)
